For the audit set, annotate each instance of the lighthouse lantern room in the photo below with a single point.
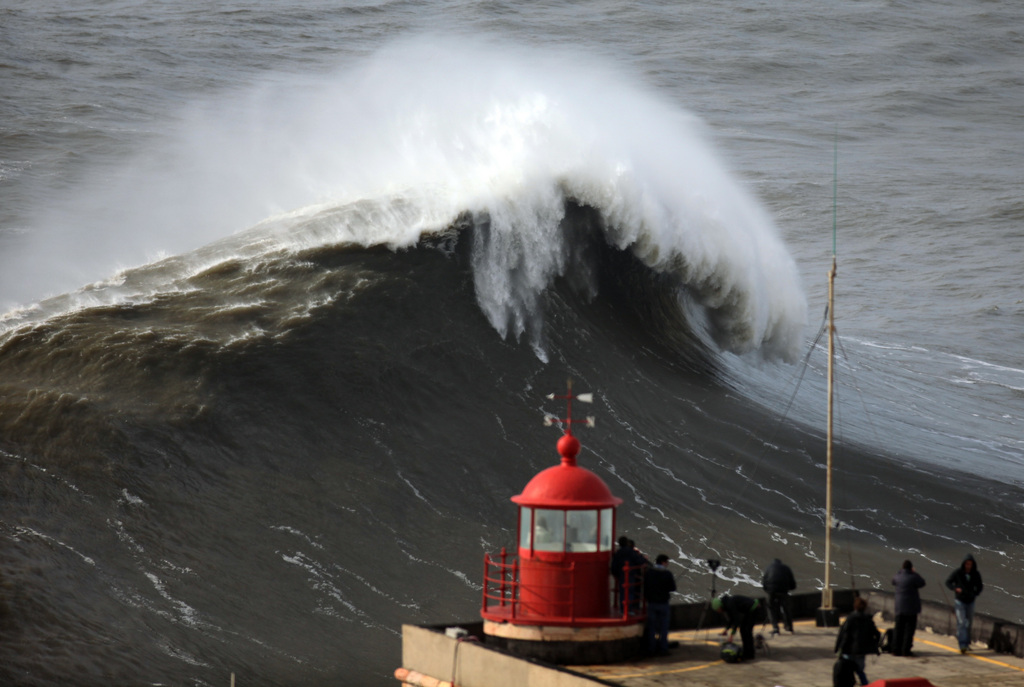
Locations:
(556, 600)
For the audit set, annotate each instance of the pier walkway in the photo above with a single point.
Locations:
(805, 658)
(432, 658)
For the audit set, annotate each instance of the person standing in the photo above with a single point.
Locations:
(740, 613)
(617, 565)
(908, 606)
(857, 637)
(965, 582)
(626, 565)
(659, 583)
(778, 582)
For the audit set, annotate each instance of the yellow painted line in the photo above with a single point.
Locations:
(692, 638)
(667, 672)
(613, 676)
(937, 645)
(956, 650)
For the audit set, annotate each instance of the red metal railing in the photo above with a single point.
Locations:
(632, 602)
(503, 591)
(504, 584)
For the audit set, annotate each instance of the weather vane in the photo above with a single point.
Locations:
(568, 419)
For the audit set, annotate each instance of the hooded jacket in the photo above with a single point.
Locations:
(969, 583)
(908, 599)
(778, 578)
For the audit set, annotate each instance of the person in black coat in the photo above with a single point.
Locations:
(778, 582)
(626, 557)
(659, 583)
(965, 581)
(908, 606)
(741, 612)
(858, 636)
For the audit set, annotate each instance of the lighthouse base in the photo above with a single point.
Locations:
(567, 645)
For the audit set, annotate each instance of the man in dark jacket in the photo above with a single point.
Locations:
(908, 606)
(741, 613)
(778, 582)
(626, 557)
(857, 637)
(659, 583)
(965, 581)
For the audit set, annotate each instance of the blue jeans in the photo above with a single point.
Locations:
(658, 616)
(858, 667)
(964, 616)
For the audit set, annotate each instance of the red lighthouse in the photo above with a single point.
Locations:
(555, 600)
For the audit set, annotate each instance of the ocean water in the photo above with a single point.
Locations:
(284, 287)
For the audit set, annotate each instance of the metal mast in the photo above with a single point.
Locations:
(826, 593)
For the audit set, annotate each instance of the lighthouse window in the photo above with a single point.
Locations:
(581, 530)
(548, 530)
(605, 544)
(525, 527)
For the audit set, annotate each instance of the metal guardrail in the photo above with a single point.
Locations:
(503, 585)
(503, 590)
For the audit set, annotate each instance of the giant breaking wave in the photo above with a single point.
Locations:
(417, 141)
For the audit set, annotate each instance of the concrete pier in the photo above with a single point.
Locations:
(430, 658)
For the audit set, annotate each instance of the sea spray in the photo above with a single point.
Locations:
(422, 134)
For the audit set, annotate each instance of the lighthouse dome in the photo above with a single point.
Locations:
(567, 486)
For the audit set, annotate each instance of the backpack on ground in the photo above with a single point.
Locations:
(843, 673)
(731, 653)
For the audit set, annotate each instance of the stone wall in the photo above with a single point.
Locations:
(998, 634)
(466, 662)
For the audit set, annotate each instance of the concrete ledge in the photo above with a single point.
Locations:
(411, 678)
(559, 644)
(470, 663)
(558, 633)
(432, 659)
(997, 634)
(700, 615)
(570, 652)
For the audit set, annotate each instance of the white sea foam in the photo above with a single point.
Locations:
(132, 499)
(298, 533)
(21, 531)
(182, 611)
(399, 144)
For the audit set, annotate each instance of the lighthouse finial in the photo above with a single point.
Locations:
(568, 445)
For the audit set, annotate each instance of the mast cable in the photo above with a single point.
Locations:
(827, 324)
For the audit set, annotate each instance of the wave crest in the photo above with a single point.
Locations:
(403, 143)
